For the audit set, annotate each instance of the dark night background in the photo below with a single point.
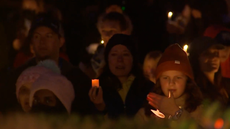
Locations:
(80, 16)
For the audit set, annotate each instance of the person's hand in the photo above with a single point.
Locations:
(97, 98)
(166, 105)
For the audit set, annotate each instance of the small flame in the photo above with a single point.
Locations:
(170, 14)
(102, 42)
(185, 48)
(169, 94)
(158, 113)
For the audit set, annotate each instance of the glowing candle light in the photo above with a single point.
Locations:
(102, 42)
(169, 94)
(185, 48)
(170, 15)
(95, 82)
(158, 113)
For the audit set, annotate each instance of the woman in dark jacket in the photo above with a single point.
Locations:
(123, 85)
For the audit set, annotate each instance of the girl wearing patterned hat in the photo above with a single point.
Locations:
(51, 94)
(28, 77)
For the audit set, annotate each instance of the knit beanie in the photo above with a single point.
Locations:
(58, 84)
(121, 39)
(32, 73)
(174, 58)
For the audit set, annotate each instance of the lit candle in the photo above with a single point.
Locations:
(185, 48)
(170, 15)
(158, 113)
(95, 82)
(169, 94)
(102, 41)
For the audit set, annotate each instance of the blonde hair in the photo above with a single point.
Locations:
(155, 55)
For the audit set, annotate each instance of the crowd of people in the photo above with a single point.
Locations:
(170, 85)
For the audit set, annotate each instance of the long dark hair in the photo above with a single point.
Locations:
(199, 75)
(208, 89)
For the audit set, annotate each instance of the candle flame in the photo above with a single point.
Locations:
(169, 94)
(158, 113)
(185, 48)
(102, 41)
(170, 14)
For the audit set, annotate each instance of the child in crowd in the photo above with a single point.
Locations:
(123, 87)
(150, 64)
(51, 94)
(175, 94)
(28, 77)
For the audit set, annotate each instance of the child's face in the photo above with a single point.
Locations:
(149, 67)
(45, 97)
(108, 29)
(173, 81)
(24, 93)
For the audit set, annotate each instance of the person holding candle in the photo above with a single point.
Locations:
(123, 88)
(204, 56)
(175, 95)
(108, 25)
